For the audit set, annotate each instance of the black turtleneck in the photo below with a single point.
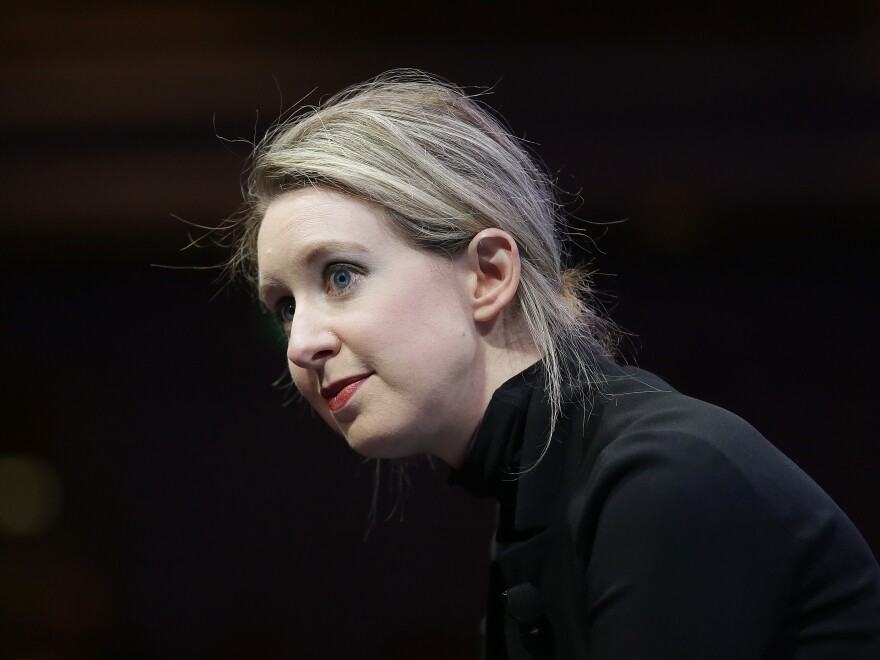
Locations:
(659, 526)
(493, 459)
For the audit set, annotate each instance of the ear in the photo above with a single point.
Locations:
(493, 264)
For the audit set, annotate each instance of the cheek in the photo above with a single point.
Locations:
(426, 322)
(306, 383)
(307, 386)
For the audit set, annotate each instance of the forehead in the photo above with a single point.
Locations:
(303, 222)
(304, 225)
(307, 215)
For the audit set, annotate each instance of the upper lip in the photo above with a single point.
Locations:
(335, 387)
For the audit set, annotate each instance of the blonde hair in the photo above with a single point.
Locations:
(444, 168)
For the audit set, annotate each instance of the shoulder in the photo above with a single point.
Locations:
(649, 442)
(692, 454)
(663, 466)
(678, 496)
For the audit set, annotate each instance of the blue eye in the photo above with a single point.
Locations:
(341, 278)
(285, 309)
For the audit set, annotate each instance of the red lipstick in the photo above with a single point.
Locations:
(339, 393)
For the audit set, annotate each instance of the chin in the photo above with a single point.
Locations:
(381, 445)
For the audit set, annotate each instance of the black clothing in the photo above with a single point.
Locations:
(660, 526)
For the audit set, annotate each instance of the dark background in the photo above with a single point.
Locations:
(194, 515)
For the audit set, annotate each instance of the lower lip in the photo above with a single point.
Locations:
(339, 401)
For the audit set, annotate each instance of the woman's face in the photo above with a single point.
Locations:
(381, 335)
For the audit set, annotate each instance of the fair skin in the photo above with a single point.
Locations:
(398, 349)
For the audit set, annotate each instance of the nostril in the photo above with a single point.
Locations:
(324, 354)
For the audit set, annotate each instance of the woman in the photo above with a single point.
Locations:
(410, 248)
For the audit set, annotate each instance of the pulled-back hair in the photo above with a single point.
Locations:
(443, 168)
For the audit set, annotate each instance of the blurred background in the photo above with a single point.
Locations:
(158, 500)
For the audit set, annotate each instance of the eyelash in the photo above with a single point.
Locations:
(284, 304)
(336, 268)
(281, 306)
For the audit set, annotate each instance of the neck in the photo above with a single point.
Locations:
(500, 363)
(508, 350)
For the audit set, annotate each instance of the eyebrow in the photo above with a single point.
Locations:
(316, 252)
(313, 254)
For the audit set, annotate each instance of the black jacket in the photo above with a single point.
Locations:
(660, 526)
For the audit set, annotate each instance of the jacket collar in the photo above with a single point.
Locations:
(495, 455)
(505, 459)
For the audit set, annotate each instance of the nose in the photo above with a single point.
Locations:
(311, 342)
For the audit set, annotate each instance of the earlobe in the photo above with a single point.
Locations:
(494, 264)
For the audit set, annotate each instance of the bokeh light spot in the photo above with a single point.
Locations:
(31, 496)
